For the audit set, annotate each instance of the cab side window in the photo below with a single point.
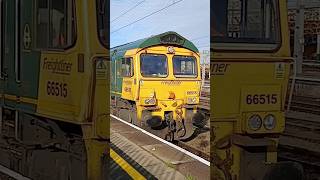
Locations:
(2, 33)
(127, 67)
(55, 24)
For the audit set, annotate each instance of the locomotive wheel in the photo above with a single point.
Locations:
(124, 110)
(133, 116)
(160, 131)
(125, 114)
(199, 120)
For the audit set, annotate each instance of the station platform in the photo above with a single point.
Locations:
(135, 155)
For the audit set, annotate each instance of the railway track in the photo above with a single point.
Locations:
(311, 66)
(195, 150)
(301, 140)
(304, 129)
(200, 144)
(306, 97)
(204, 103)
(301, 143)
(205, 97)
(310, 162)
(306, 104)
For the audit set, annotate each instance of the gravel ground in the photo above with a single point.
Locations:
(202, 142)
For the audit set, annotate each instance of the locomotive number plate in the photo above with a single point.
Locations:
(261, 98)
(57, 89)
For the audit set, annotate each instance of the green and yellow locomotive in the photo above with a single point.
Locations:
(54, 88)
(155, 83)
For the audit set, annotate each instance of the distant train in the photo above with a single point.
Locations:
(155, 83)
(54, 88)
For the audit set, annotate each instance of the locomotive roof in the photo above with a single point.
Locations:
(167, 38)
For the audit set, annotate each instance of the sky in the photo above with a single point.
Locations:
(189, 18)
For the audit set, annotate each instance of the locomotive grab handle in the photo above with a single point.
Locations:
(1, 35)
(292, 84)
(17, 41)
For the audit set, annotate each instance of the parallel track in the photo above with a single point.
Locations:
(194, 150)
(306, 104)
(301, 140)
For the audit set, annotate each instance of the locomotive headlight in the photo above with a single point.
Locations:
(150, 101)
(269, 122)
(192, 100)
(254, 122)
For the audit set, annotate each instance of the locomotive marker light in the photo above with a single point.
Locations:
(255, 122)
(192, 100)
(171, 50)
(269, 122)
(150, 101)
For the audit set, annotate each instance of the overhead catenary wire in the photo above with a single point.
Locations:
(155, 12)
(124, 13)
(198, 38)
(204, 46)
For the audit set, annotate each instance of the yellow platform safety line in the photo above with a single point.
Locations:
(126, 166)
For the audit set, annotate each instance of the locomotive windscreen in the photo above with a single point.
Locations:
(184, 66)
(245, 21)
(103, 20)
(153, 65)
